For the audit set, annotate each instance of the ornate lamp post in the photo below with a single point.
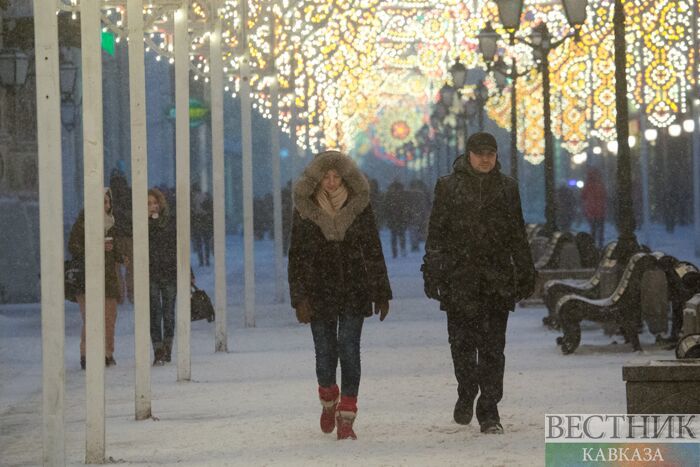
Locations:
(68, 75)
(541, 42)
(627, 241)
(488, 44)
(14, 65)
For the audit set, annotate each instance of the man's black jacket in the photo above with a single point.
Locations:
(477, 245)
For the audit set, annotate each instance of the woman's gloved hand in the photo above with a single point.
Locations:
(304, 312)
(381, 309)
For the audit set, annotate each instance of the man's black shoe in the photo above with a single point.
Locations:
(464, 410)
(491, 427)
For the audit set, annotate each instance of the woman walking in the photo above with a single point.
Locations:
(162, 254)
(337, 274)
(76, 247)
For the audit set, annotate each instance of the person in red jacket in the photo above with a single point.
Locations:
(593, 197)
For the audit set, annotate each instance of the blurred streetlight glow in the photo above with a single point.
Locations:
(689, 125)
(650, 134)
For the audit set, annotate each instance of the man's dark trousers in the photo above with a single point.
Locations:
(477, 336)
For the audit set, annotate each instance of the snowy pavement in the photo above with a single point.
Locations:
(257, 404)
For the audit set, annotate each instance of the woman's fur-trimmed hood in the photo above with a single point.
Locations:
(333, 228)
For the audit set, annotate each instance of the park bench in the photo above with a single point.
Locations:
(691, 316)
(560, 253)
(558, 258)
(683, 283)
(590, 288)
(622, 308)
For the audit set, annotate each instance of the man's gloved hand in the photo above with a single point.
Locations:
(524, 290)
(431, 286)
(431, 289)
(381, 309)
(304, 312)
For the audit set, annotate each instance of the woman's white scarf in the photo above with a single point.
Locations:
(109, 222)
(109, 218)
(332, 202)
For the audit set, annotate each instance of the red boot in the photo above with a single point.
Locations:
(345, 414)
(329, 399)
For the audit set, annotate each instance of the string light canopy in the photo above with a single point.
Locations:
(339, 63)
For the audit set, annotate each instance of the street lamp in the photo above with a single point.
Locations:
(488, 45)
(626, 224)
(14, 65)
(458, 72)
(68, 76)
(541, 42)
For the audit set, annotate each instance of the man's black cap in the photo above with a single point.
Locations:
(480, 141)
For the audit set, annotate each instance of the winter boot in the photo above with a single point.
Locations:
(491, 427)
(329, 400)
(464, 410)
(345, 414)
(167, 350)
(158, 355)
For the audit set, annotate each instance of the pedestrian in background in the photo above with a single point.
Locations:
(123, 236)
(336, 274)
(162, 255)
(113, 256)
(396, 216)
(593, 198)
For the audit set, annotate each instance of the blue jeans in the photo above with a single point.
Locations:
(162, 312)
(338, 339)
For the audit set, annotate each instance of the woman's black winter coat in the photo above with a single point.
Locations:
(162, 252)
(337, 263)
(477, 246)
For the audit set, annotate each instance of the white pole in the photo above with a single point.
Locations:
(246, 132)
(182, 168)
(218, 180)
(48, 101)
(139, 197)
(276, 175)
(93, 147)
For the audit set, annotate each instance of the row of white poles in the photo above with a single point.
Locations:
(51, 216)
(50, 233)
(182, 186)
(139, 179)
(90, 30)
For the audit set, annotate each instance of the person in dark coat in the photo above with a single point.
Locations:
(123, 236)
(418, 204)
(202, 221)
(336, 274)
(113, 256)
(477, 263)
(593, 198)
(396, 216)
(565, 207)
(162, 254)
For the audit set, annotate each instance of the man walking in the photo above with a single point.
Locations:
(477, 263)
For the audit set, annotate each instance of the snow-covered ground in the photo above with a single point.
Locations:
(257, 404)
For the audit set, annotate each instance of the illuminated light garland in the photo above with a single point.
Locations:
(348, 52)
